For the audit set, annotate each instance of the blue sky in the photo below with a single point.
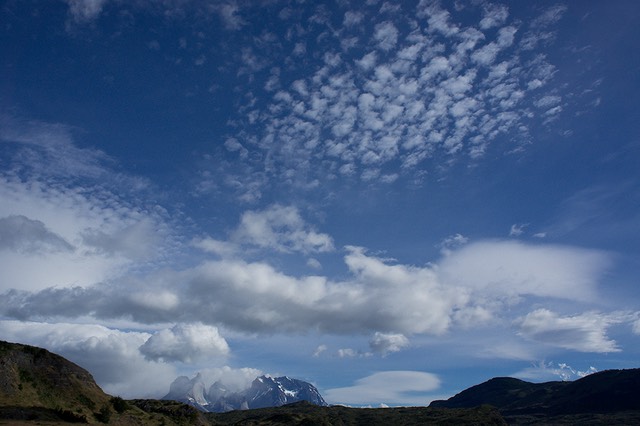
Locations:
(391, 200)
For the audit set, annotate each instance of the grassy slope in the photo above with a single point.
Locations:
(39, 387)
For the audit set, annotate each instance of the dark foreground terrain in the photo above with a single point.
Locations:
(607, 397)
(38, 387)
(303, 413)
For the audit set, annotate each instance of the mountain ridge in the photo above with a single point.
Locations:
(264, 391)
(609, 391)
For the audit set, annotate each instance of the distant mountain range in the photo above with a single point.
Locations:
(265, 391)
(598, 394)
(37, 386)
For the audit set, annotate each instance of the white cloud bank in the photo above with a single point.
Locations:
(585, 332)
(467, 288)
(387, 387)
(186, 343)
(506, 269)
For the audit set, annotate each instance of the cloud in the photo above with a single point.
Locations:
(517, 229)
(65, 219)
(74, 235)
(280, 228)
(218, 247)
(452, 242)
(548, 371)
(48, 150)
(387, 387)
(350, 353)
(277, 227)
(83, 11)
(588, 212)
(467, 288)
(379, 297)
(234, 379)
(21, 234)
(352, 17)
(319, 350)
(586, 332)
(494, 15)
(386, 343)
(386, 35)
(138, 240)
(506, 269)
(635, 327)
(185, 343)
(394, 110)
(229, 14)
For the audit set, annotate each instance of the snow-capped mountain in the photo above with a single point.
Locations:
(265, 391)
(191, 391)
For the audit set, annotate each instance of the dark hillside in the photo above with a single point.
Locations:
(304, 413)
(609, 397)
(604, 392)
(40, 387)
(35, 377)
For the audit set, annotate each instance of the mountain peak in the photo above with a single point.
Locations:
(264, 391)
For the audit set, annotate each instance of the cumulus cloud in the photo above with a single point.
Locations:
(387, 387)
(468, 287)
(185, 343)
(385, 343)
(585, 332)
(277, 227)
(280, 228)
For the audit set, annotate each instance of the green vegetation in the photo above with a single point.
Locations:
(70, 417)
(104, 415)
(119, 404)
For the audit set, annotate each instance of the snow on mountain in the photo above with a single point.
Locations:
(265, 391)
(191, 391)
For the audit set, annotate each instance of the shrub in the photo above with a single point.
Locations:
(70, 417)
(119, 404)
(104, 415)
